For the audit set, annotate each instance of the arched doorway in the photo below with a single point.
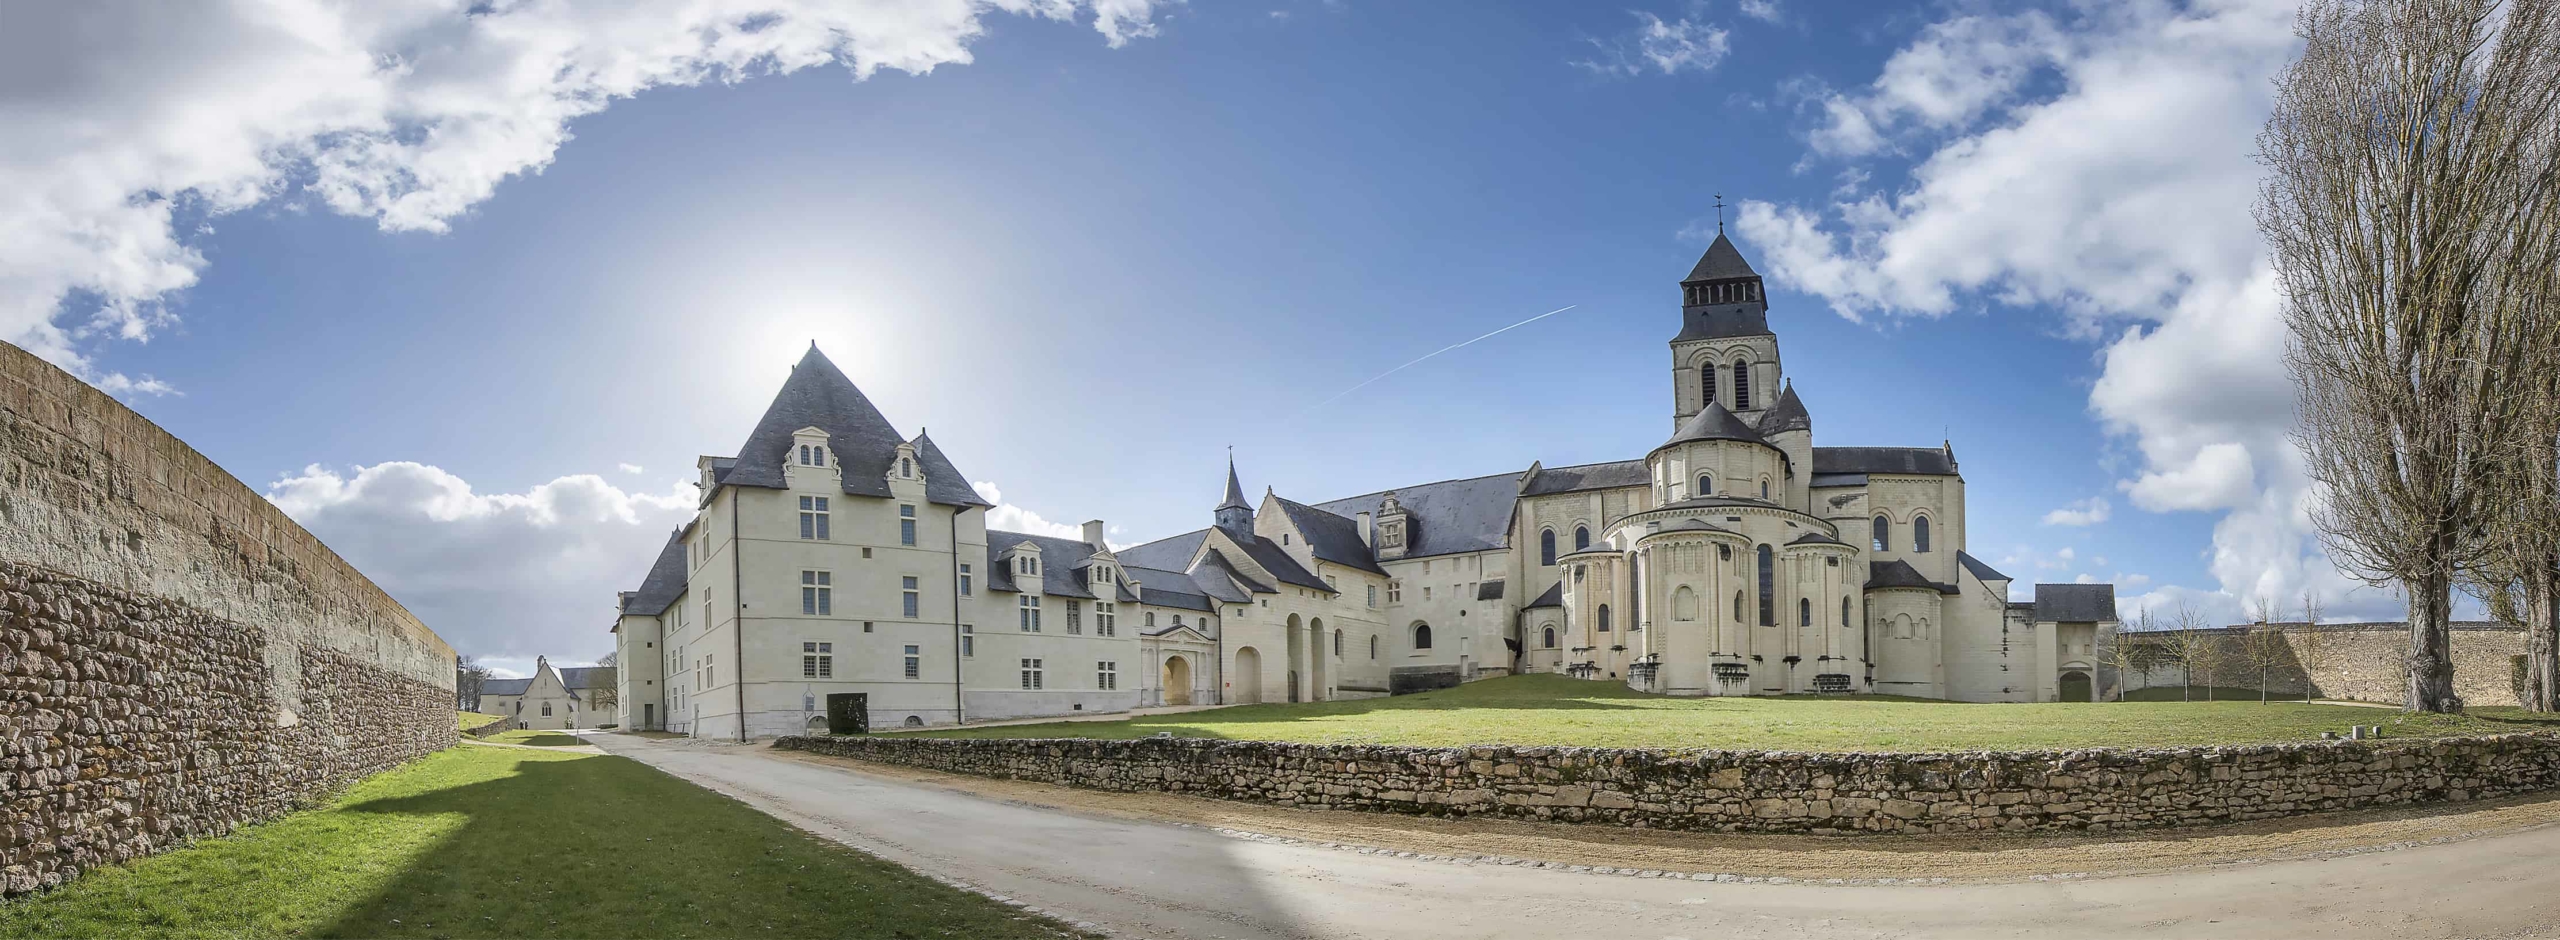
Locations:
(1177, 681)
(1248, 675)
(2075, 687)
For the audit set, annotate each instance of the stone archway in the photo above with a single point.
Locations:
(1320, 657)
(2076, 687)
(1248, 682)
(1177, 680)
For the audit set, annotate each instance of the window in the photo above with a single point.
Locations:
(1724, 553)
(1707, 381)
(1373, 594)
(1768, 587)
(813, 518)
(1075, 618)
(1550, 638)
(1395, 592)
(1029, 608)
(1337, 643)
(817, 661)
(1764, 489)
(1027, 564)
(1804, 612)
(907, 467)
(906, 525)
(1177, 620)
(1920, 534)
(1422, 636)
(1151, 619)
(1844, 612)
(1742, 386)
(968, 641)
(1883, 534)
(1373, 646)
(1106, 618)
(1604, 618)
(1106, 676)
(964, 581)
(817, 596)
(813, 455)
(908, 595)
(1546, 546)
(914, 662)
(546, 709)
(1706, 486)
(1581, 538)
(1031, 673)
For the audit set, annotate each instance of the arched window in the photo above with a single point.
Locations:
(1551, 638)
(1581, 538)
(1604, 618)
(1373, 646)
(1764, 489)
(1684, 604)
(1804, 612)
(1768, 587)
(1547, 546)
(1707, 380)
(1844, 612)
(1920, 534)
(1706, 486)
(1742, 386)
(1737, 606)
(1337, 642)
(1883, 534)
(1422, 636)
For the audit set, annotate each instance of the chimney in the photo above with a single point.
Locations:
(1093, 534)
(1362, 518)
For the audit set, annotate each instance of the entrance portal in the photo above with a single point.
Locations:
(2075, 687)
(1177, 681)
(1248, 676)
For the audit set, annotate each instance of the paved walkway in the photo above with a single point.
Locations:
(1144, 879)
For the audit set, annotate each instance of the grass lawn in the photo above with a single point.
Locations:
(535, 738)
(465, 721)
(1554, 710)
(505, 842)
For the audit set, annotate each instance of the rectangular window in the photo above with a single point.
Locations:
(1373, 595)
(1075, 618)
(1029, 608)
(964, 581)
(1031, 673)
(817, 660)
(1106, 676)
(914, 662)
(1426, 592)
(968, 641)
(817, 593)
(813, 518)
(1395, 592)
(907, 525)
(1106, 619)
(908, 596)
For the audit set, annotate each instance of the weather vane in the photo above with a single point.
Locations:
(1719, 213)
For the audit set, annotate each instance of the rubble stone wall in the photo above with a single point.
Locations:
(1766, 792)
(177, 658)
(2359, 661)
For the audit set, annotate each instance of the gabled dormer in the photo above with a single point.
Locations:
(1023, 563)
(906, 468)
(810, 463)
(1395, 528)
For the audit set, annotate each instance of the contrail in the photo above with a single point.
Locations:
(1373, 379)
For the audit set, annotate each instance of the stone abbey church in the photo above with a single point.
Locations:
(835, 553)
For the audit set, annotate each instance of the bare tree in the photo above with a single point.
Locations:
(2263, 647)
(2191, 648)
(2403, 152)
(2311, 647)
(2128, 652)
(468, 679)
(2518, 577)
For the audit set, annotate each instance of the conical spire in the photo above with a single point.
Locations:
(1721, 262)
(1234, 514)
(1714, 423)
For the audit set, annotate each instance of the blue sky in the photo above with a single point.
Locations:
(1088, 267)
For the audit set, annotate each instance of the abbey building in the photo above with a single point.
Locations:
(833, 554)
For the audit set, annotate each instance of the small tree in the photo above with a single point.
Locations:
(468, 678)
(2193, 649)
(2265, 650)
(2311, 648)
(2132, 649)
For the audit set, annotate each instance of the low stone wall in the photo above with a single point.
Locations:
(1770, 792)
(2358, 661)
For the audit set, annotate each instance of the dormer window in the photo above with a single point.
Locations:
(907, 467)
(813, 455)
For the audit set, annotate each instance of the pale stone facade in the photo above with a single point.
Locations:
(553, 699)
(834, 554)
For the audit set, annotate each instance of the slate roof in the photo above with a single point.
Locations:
(1787, 415)
(1980, 570)
(1330, 537)
(1235, 491)
(1722, 261)
(1489, 590)
(1469, 515)
(586, 677)
(1216, 563)
(864, 443)
(1821, 480)
(1899, 573)
(1590, 476)
(2073, 603)
(1552, 597)
(1714, 423)
(506, 686)
(1723, 321)
(665, 581)
(1687, 525)
(1172, 553)
(1276, 560)
(1162, 588)
(1059, 572)
(1924, 461)
(1815, 538)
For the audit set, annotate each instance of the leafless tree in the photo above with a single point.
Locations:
(2518, 576)
(2126, 652)
(2264, 648)
(2311, 647)
(2192, 648)
(468, 678)
(2403, 152)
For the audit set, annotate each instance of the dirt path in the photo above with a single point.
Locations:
(1085, 858)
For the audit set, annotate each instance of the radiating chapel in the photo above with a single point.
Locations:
(834, 553)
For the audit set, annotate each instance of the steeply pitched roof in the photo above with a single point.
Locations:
(1980, 570)
(1276, 560)
(1235, 490)
(1589, 476)
(1899, 574)
(1469, 515)
(1058, 557)
(1172, 553)
(586, 677)
(1553, 596)
(1722, 261)
(1162, 588)
(506, 686)
(663, 583)
(1787, 415)
(2075, 603)
(1214, 566)
(1907, 460)
(1330, 537)
(819, 395)
(1714, 423)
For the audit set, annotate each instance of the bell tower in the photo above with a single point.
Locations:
(1724, 353)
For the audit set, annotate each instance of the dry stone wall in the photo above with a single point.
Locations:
(1766, 792)
(2359, 661)
(177, 658)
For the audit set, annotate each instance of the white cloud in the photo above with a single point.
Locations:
(630, 468)
(1011, 518)
(1766, 11)
(133, 124)
(2099, 165)
(505, 576)
(2084, 512)
(1655, 45)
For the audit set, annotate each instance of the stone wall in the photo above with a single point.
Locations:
(1745, 791)
(177, 658)
(2358, 661)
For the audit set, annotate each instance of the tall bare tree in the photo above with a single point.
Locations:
(2311, 646)
(2264, 648)
(2192, 648)
(2129, 652)
(2402, 152)
(468, 678)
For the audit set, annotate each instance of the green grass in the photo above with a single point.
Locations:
(535, 738)
(1554, 710)
(465, 721)
(2170, 693)
(506, 842)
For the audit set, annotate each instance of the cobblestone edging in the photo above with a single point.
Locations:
(1767, 792)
